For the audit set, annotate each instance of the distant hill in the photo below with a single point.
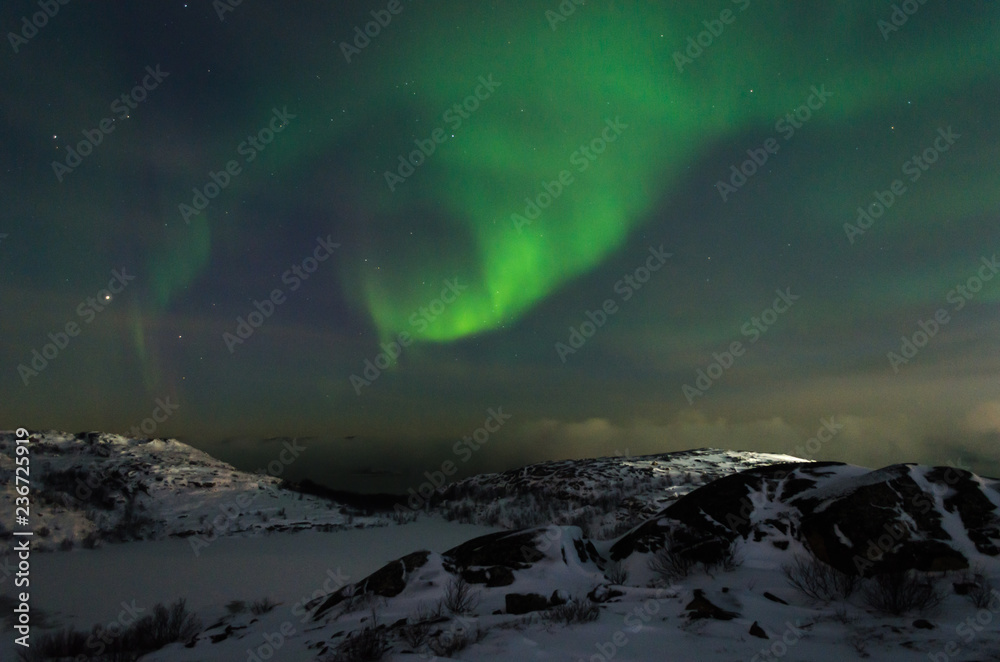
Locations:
(92, 487)
(604, 496)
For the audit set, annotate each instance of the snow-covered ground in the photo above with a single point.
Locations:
(84, 587)
(643, 623)
(305, 553)
(92, 487)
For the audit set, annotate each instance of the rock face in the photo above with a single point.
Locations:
(720, 512)
(514, 551)
(524, 603)
(973, 505)
(702, 607)
(387, 582)
(494, 566)
(878, 527)
(859, 521)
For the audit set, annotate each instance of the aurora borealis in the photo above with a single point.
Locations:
(496, 181)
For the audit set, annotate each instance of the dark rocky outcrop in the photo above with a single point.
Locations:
(524, 603)
(702, 607)
(978, 513)
(857, 521)
(883, 526)
(497, 575)
(516, 550)
(388, 581)
(718, 513)
(861, 523)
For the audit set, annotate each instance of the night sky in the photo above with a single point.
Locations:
(559, 230)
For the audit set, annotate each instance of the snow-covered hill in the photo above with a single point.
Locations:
(817, 561)
(704, 555)
(90, 488)
(604, 496)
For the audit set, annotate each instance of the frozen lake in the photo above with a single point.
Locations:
(84, 587)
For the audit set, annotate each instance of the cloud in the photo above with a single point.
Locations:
(984, 418)
(600, 436)
(872, 441)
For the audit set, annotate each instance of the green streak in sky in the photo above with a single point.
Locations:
(557, 90)
(454, 216)
(184, 255)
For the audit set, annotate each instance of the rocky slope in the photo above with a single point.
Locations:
(93, 487)
(718, 561)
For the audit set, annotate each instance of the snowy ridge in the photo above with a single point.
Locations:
(604, 496)
(94, 487)
(552, 591)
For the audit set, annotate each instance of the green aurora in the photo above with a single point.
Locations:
(559, 84)
(557, 89)
(460, 217)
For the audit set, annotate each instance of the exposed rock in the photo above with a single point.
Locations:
(587, 551)
(978, 513)
(757, 631)
(604, 593)
(858, 521)
(963, 588)
(524, 603)
(773, 598)
(875, 520)
(496, 575)
(517, 550)
(388, 581)
(701, 607)
(716, 514)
